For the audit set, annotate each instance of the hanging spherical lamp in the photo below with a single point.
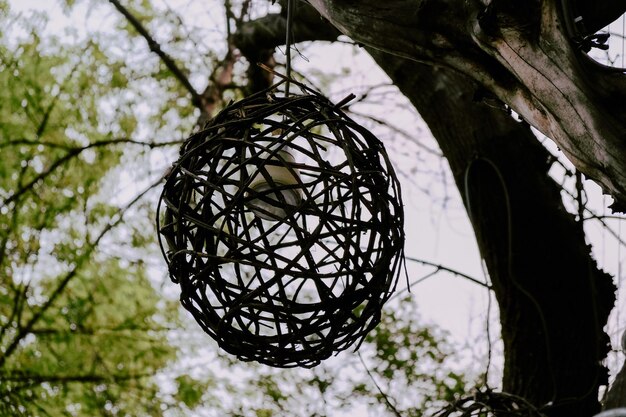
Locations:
(282, 223)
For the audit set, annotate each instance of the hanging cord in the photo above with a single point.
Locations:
(288, 42)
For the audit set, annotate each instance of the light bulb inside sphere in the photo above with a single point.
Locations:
(276, 187)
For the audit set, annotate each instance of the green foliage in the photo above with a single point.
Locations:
(81, 332)
(100, 342)
(190, 391)
(411, 355)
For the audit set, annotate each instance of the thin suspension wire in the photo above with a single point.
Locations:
(288, 42)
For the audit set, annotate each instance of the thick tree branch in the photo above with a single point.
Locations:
(268, 32)
(257, 39)
(521, 54)
(553, 299)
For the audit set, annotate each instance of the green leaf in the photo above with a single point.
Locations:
(190, 391)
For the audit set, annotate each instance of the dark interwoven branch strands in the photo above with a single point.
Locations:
(283, 225)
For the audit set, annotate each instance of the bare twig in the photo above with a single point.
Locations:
(398, 131)
(391, 407)
(452, 271)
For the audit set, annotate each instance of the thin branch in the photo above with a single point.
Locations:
(414, 283)
(100, 331)
(229, 14)
(452, 271)
(14, 220)
(594, 216)
(245, 8)
(399, 131)
(46, 117)
(73, 152)
(156, 48)
(30, 142)
(391, 407)
(603, 217)
(20, 294)
(19, 192)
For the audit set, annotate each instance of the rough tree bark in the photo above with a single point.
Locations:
(553, 300)
(520, 51)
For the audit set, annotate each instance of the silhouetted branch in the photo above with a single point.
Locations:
(156, 48)
(390, 406)
(452, 271)
(73, 152)
(99, 143)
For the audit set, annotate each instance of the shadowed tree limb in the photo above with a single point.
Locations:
(258, 38)
(523, 55)
(553, 299)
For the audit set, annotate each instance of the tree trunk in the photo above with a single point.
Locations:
(553, 300)
(520, 51)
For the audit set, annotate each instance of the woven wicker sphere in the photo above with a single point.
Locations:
(283, 225)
